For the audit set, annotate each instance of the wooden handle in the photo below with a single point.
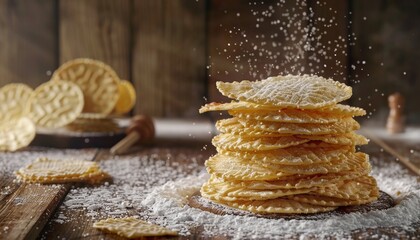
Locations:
(123, 145)
(141, 128)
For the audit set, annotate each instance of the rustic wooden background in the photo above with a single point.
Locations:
(174, 50)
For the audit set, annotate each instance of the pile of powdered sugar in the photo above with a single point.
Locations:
(156, 190)
(167, 205)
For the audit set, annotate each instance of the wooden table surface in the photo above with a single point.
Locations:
(27, 211)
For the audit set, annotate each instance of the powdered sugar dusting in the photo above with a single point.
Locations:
(159, 192)
(163, 203)
(134, 176)
(12, 161)
(155, 186)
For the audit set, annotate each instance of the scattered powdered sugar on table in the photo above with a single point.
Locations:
(156, 189)
(12, 161)
(166, 206)
(133, 177)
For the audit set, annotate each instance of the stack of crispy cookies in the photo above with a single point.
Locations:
(289, 148)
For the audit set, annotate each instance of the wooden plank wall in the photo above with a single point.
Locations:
(159, 45)
(175, 50)
(28, 41)
(98, 29)
(169, 56)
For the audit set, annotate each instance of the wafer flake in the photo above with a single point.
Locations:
(340, 127)
(45, 170)
(233, 126)
(286, 115)
(132, 228)
(349, 189)
(221, 190)
(304, 92)
(297, 182)
(291, 156)
(234, 168)
(320, 200)
(337, 110)
(241, 143)
(278, 205)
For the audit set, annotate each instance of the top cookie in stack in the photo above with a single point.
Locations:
(289, 147)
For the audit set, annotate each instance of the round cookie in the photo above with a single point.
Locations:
(55, 104)
(16, 134)
(98, 81)
(127, 97)
(13, 99)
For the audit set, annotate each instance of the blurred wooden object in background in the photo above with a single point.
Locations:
(396, 118)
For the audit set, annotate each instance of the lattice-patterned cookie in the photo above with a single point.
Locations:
(305, 181)
(278, 205)
(340, 127)
(228, 192)
(130, 227)
(334, 201)
(45, 170)
(350, 139)
(233, 126)
(98, 81)
(240, 143)
(348, 189)
(13, 100)
(337, 110)
(291, 155)
(304, 92)
(288, 115)
(234, 168)
(16, 134)
(55, 104)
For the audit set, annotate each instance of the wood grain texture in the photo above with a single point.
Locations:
(28, 41)
(169, 56)
(79, 225)
(98, 29)
(28, 209)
